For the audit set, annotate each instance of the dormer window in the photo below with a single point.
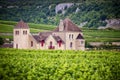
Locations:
(59, 43)
(16, 32)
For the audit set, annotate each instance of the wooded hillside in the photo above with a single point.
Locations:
(93, 13)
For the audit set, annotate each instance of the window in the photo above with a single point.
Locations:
(31, 43)
(17, 46)
(72, 36)
(71, 44)
(25, 32)
(42, 43)
(50, 43)
(16, 32)
(82, 42)
(51, 46)
(59, 43)
(69, 36)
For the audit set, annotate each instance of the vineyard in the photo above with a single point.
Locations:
(59, 65)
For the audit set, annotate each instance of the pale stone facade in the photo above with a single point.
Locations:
(67, 36)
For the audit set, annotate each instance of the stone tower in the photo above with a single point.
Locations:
(21, 35)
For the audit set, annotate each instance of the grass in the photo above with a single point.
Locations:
(41, 26)
(7, 27)
(101, 35)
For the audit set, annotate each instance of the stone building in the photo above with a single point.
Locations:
(67, 36)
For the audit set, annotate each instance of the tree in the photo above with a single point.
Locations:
(1, 41)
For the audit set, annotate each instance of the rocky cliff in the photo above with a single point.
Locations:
(62, 6)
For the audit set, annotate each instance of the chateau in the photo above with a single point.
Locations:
(67, 36)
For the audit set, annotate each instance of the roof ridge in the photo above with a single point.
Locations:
(70, 26)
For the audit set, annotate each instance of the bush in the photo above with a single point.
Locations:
(1, 41)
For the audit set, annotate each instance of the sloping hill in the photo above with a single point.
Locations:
(93, 12)
(7, 26)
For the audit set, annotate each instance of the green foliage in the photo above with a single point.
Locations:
(59, 65)
(44, 11)
(1, 41)
(7, 36)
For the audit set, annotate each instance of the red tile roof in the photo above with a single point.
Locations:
(44, 35)
(69, 26)
(22, 24)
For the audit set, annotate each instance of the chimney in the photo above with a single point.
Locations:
(61, 25)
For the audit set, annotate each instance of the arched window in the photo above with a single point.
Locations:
(71, 44)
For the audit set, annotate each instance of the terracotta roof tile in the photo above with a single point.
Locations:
(41, 36)
(22, 24)
(36, 37)
(44, 35)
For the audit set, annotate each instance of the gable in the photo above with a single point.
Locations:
(79, 36)
(50, 38)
